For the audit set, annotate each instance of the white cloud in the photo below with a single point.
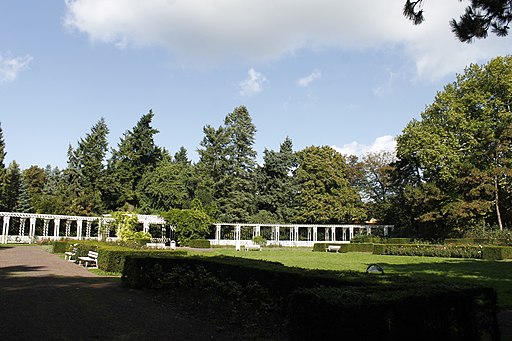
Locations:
(11, 67)
(212, 31)
(385, 143)
(305, 81)
(253, 84)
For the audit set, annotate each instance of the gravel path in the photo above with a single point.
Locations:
(43, 297)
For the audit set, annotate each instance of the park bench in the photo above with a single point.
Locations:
(253, 247)
(90, 260)
(155, 245)
(70, 256)
(333, 248)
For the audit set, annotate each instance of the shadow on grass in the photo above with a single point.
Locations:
(495, 274)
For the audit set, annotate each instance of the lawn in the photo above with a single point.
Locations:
(496, 274)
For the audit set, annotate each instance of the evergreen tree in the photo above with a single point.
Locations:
(277, 187)
(136, 154)
(24, 202)
(12, 186)
(85, 171)
(34, 178)
(53, 194)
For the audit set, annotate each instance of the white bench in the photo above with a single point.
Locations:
(255, 247)
(155, 245)
(70, 256)
(90, 260)
(333, 248)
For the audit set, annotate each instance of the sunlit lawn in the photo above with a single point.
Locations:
(497, 274)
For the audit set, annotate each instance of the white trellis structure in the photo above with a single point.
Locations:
(52, 226)
(290, 234)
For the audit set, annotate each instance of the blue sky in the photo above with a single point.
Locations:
(345, 74)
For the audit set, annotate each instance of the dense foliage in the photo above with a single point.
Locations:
(450, 176)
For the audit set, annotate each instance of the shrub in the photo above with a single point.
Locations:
(452, 251)
(367, 238)
(199, 243)
(497, 252)
(189, 224)
(112, 258)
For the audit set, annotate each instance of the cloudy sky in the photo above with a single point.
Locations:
(348, 74)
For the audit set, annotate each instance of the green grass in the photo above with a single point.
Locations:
(496, 274)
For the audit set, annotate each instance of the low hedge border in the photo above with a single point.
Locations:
(357, 247)
(199, 243)
(326, 304)
(497, 252)
(451, 251)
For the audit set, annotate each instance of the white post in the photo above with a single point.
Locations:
(21, 231)
(368, 230)
(344, 236)
(385, 231)
(146, 226)
(277, 235)
(88, 229)
(333, 234)
(351, 232)
(296, 233)
(79, 229)
(309, 234)
(68, 228)
(315, 233)
(217, 232)
(5, 229)
(56, 228)
(257, 230)
(32, 230)
(45, 227)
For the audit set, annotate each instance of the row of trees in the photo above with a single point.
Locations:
(451, 173)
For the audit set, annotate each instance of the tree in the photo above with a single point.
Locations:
(326, 195)
(192, 223)
(459, 154)
(85, 170)
(53, 195)
(226, 167)
(277, 187)
(2, 170)
(12, 187)
(136, 154)
(479, 17)
(34, 179)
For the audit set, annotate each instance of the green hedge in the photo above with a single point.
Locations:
(466, 241)
(324, 304)
(421, 313)
(199, 243)
(452, 251)
(112, 258)
(497, 252)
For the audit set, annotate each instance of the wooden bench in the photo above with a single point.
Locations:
(90, 260)
(70, 256)
(333, 248)
(253, 247)
(155, 245)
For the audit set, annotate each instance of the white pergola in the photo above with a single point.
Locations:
(290, 234)
(75, 227)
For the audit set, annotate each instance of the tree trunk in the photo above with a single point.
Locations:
(496, 200)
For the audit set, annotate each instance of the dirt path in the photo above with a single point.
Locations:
(43, 297)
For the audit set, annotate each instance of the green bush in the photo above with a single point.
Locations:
(452, 251)
(112, 258)
(407, 313)
(320, 247)
(497, 252)
(397, 240)
(199, 243)
(61, 246)
(321, 304)
(367, 238)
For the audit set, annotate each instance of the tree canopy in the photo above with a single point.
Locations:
(479, 17)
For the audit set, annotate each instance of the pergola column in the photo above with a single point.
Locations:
(276, 232)
(5, 229)
(257, 230)
(237, 232)
(56, 227)
(344, 235)
(296, 233)
(368, 230)
(32, 230)
(68, 228)
(350, 233)
(21, 231)
(45, 227)
(385, 231)
(333, 234)
(79, 229)
(88, 229)
(315, 233)
(217, 232)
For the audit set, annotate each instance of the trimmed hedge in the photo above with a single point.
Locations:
(357, 247)
(432, 313)
(327, 304)
(497, 252)
(199, 243)
(451, 251)
(112, 258)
